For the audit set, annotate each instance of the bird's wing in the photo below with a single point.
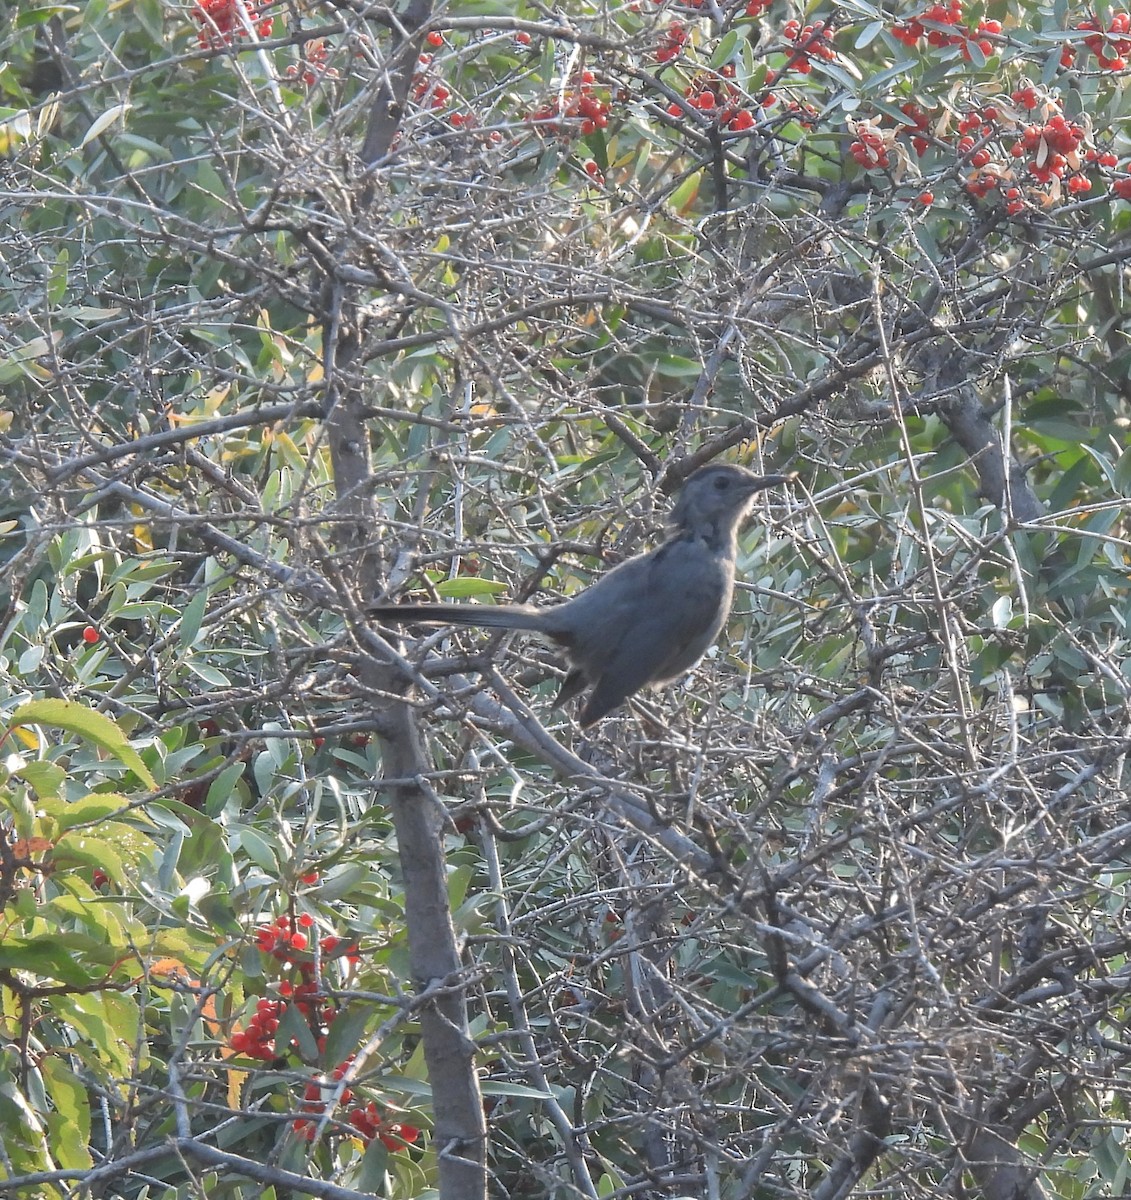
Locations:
(677, 611)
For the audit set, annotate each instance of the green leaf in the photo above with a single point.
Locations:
(464, 586)
(69, 1121)
(108, 1023)
(880, 81)
(371, 1177)
(80, 850)
(87, 810)
(52, 957)
(684, 195)
(192, 617)
(259, 850)
(92, 726)
(42, 13)
(724, 51)
(45, 777)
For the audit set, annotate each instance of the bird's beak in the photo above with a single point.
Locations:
(765, 481)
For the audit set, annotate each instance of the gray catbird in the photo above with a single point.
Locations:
(648, 620)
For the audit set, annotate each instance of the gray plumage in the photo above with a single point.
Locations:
(645, 622)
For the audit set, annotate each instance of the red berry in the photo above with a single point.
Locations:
(90, 635)
(522, 37)
(435, 38)
(926, 199)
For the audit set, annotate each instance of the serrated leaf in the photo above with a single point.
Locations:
(70, 1119)
(85, 723)
(87, 810)
(54, 957)
(45, 777)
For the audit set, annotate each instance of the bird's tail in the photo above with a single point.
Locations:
(488, 616)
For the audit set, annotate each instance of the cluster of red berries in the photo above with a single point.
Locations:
(258, 1039)
(583, 105)
(279, 940)
(370, 1122)
(315, 65)
(1111, 46)
(719, 97)
(809, 42)
(1027, 97)
(428, 88)
(672, 43)
(920, 123)
(285, 943)
(806, 115)
(870, 149)
(1050, 149)
(941, 25)
(367, 1120)
(315, 1097)
(1053, 150)
(973, 127)
(912, 31)
(222, 21)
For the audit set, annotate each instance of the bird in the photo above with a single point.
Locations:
(647, 621)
